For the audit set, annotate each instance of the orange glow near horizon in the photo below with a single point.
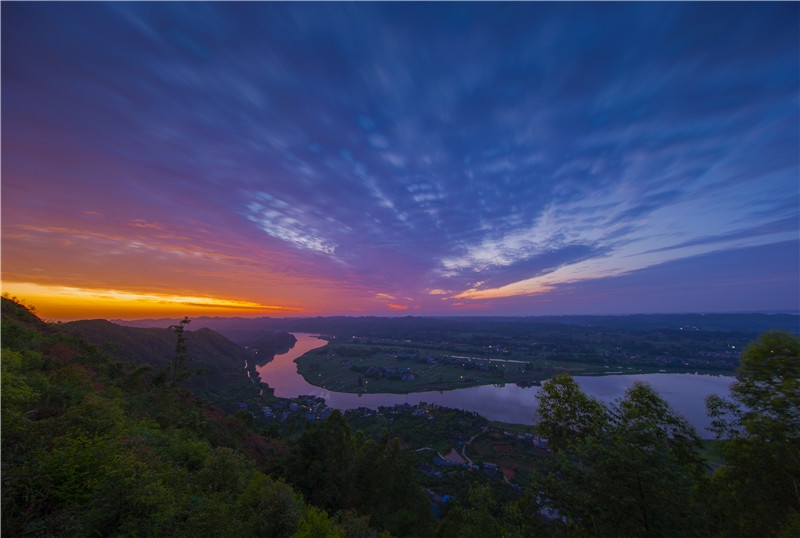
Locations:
(63, 303)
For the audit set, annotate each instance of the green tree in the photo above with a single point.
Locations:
(565, 412)
(757, 491)
(337, 470)
(89, 450)
(317, 465)
(267, 508)
(317, 524)
(628, 470)
(478, 520)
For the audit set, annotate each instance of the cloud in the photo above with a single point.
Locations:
(89, 295)
(487, 150)
(285, 222)
(437, 291)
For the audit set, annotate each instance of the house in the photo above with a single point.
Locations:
(454, 457)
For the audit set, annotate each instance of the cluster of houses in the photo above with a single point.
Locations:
(482, 364)
(711, 362)
(467, 363)
(313, 407)
(416, 410)
(490, 470)
(377, 372)
(537, 440)
(438, 466)
(436, 501)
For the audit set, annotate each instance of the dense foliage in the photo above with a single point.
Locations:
(336, 470)
(629, 470)
(224, 381)
(92, 447)
(757, 493)
(96, 446)
(634, 469)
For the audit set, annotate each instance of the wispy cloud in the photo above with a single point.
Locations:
(282, 221)
(333, 152)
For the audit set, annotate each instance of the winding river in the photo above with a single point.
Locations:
(686, 393)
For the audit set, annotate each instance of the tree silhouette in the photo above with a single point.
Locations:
(180, 370)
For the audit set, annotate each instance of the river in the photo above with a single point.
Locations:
(686, 393)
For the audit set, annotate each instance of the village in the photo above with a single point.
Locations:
(454, 450)
(445, 360)
(309, 408)
(451, 448)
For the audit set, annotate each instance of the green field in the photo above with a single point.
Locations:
(371, 368)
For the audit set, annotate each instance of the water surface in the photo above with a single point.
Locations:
(686, 393)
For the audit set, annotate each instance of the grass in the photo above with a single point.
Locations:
(336, 368)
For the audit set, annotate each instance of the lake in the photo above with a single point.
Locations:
(686, 393)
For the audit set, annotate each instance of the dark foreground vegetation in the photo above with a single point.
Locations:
(94, 444)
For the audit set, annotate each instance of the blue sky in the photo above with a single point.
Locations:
(346, 158)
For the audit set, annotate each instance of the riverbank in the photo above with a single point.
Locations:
(508, 403)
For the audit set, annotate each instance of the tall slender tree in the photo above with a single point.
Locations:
(180, 370)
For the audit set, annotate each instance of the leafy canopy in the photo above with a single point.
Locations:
(757, 491)
(625, 470)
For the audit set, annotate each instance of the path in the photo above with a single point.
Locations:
(464, 448)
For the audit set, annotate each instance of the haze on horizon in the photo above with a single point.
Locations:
(251, 159)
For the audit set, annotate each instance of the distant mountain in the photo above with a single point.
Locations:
(234, 328)
(224, 380)
(266, 343)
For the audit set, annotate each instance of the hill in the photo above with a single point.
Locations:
(95, 446)
(227, 375)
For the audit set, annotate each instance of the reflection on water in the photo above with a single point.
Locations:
(507, 403)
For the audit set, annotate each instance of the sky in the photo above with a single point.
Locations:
(305, 159)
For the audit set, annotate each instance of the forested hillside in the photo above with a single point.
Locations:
(222, 377)
(94, 445)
